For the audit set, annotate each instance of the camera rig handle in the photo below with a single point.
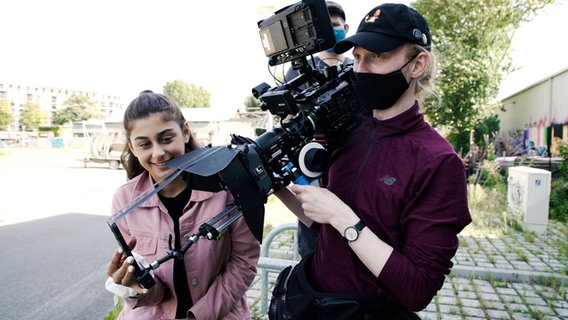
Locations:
(143, 276)
(207, 230)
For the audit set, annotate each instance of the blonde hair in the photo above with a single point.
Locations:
(425, 84)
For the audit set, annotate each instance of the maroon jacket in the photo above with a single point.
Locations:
(408, 185)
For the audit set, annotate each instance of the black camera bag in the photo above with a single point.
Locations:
(294, 298)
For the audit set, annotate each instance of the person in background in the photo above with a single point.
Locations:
(211, 280)
(306, 237)
(328, 58)
(396, 199)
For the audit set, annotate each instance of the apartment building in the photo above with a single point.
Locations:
(51, 99)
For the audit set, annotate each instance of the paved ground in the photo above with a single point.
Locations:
(55, 268)
(43, 182)
(500, 273)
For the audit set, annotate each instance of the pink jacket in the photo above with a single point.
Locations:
(219, 272)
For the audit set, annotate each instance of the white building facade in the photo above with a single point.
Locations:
(540, 111)
(51, 99)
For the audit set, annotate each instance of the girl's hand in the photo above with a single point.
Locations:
(121, 269)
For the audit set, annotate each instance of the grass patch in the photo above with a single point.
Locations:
(530, 236)
(276, 213)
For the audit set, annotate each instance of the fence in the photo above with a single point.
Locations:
(288, 255)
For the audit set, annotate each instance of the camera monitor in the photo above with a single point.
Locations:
(295, 31)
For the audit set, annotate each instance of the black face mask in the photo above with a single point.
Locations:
(379, 91)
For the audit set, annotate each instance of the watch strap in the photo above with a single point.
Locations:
(358, 227)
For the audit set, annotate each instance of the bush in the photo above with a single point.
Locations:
(55, 130)
(488, 188)
(563, 151)
(490, 175)
(559, 188)
(559, 199)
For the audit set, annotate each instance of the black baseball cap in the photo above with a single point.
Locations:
(334, 7)
(388, 27)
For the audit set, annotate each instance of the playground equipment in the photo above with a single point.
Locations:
(104, 142)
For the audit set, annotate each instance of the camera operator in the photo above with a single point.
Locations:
(307, 237)
(396, 198)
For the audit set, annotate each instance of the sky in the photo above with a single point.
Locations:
(125, 46)
(539, 48)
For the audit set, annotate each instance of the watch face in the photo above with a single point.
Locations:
(351, 234)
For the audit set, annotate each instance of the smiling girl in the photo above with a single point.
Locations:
(211, 279)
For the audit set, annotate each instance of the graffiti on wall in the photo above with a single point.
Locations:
(537, 137)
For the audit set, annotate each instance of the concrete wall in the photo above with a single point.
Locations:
(541, 113)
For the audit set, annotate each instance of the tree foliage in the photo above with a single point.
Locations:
(77, 108)
(472, 39)
(252, 104)
(71, 114)
(6, 115)
(32, 116)
(187, 95)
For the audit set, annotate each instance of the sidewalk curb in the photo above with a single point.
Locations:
(482, 273)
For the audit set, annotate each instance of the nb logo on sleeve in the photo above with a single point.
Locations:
(388, 180)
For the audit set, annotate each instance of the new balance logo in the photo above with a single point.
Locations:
(388, 180)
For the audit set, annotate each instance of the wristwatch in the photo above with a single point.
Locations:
(352, 233)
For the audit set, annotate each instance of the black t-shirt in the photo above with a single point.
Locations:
(175, 208)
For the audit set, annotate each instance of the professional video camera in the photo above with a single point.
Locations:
(294, 152)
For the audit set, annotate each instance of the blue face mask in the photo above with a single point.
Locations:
(339, 35)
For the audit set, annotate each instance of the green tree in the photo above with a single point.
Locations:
(472, 39)
(6, 115)
(32, 116)
(77, 108)
(258, 118)
(82, 101)
(187, 95)
(252, 104)
(70, 114)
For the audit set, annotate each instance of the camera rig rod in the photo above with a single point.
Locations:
(207, 230)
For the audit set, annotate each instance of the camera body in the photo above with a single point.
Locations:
(321, 112)
(315, 106)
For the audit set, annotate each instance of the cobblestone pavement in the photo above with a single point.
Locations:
(500, 272)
